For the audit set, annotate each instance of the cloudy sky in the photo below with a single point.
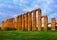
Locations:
(12, 8)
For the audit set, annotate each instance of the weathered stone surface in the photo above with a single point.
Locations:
(13, 22)
(45, 23)
(17, 22)
(15, 25)
(20, 22)
(39, 19)
(23, 22)
(3, 25)
(53, 24)
(10, 23)
(29, 21)
(34, 20)
(26, 21)
(7, 23)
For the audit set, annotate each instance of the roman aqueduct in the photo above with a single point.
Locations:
(27, 22)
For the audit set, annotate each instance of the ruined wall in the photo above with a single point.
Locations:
(15, 25)
(34, 19)
(6, 24)
(23, 22)
(20, 20)
(26, 21)
(53, 24)
(3, 25)
(39, 19)
(29, 21)
(11, 23)
(17, 22)
(45, 23)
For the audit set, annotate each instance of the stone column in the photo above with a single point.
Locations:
(26, 21)
(20, 22)
(17, 22)
(39, 19)
(53, 24)
(34, 19)
(23, 22)
(29, 21)
(16, 25)
(45, 23)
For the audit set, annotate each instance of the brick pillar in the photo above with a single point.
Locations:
(29, 21)
(45, 23)
(26, 21)
(39, 19)
(53, 24)
(20, 22)
(23, 22)
(34, 20)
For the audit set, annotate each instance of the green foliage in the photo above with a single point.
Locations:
(0, 28)
(10, 28)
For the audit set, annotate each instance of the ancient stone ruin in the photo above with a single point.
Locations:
(27, 21)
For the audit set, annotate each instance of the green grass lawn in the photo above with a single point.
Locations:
(30, 35)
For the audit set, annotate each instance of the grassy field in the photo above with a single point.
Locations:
(30, 35)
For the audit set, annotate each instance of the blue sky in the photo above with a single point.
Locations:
(12, 8)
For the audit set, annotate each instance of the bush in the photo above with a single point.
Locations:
(49, 28)
(8, 28)
(0, 28)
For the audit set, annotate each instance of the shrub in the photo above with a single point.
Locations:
(9, 28)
